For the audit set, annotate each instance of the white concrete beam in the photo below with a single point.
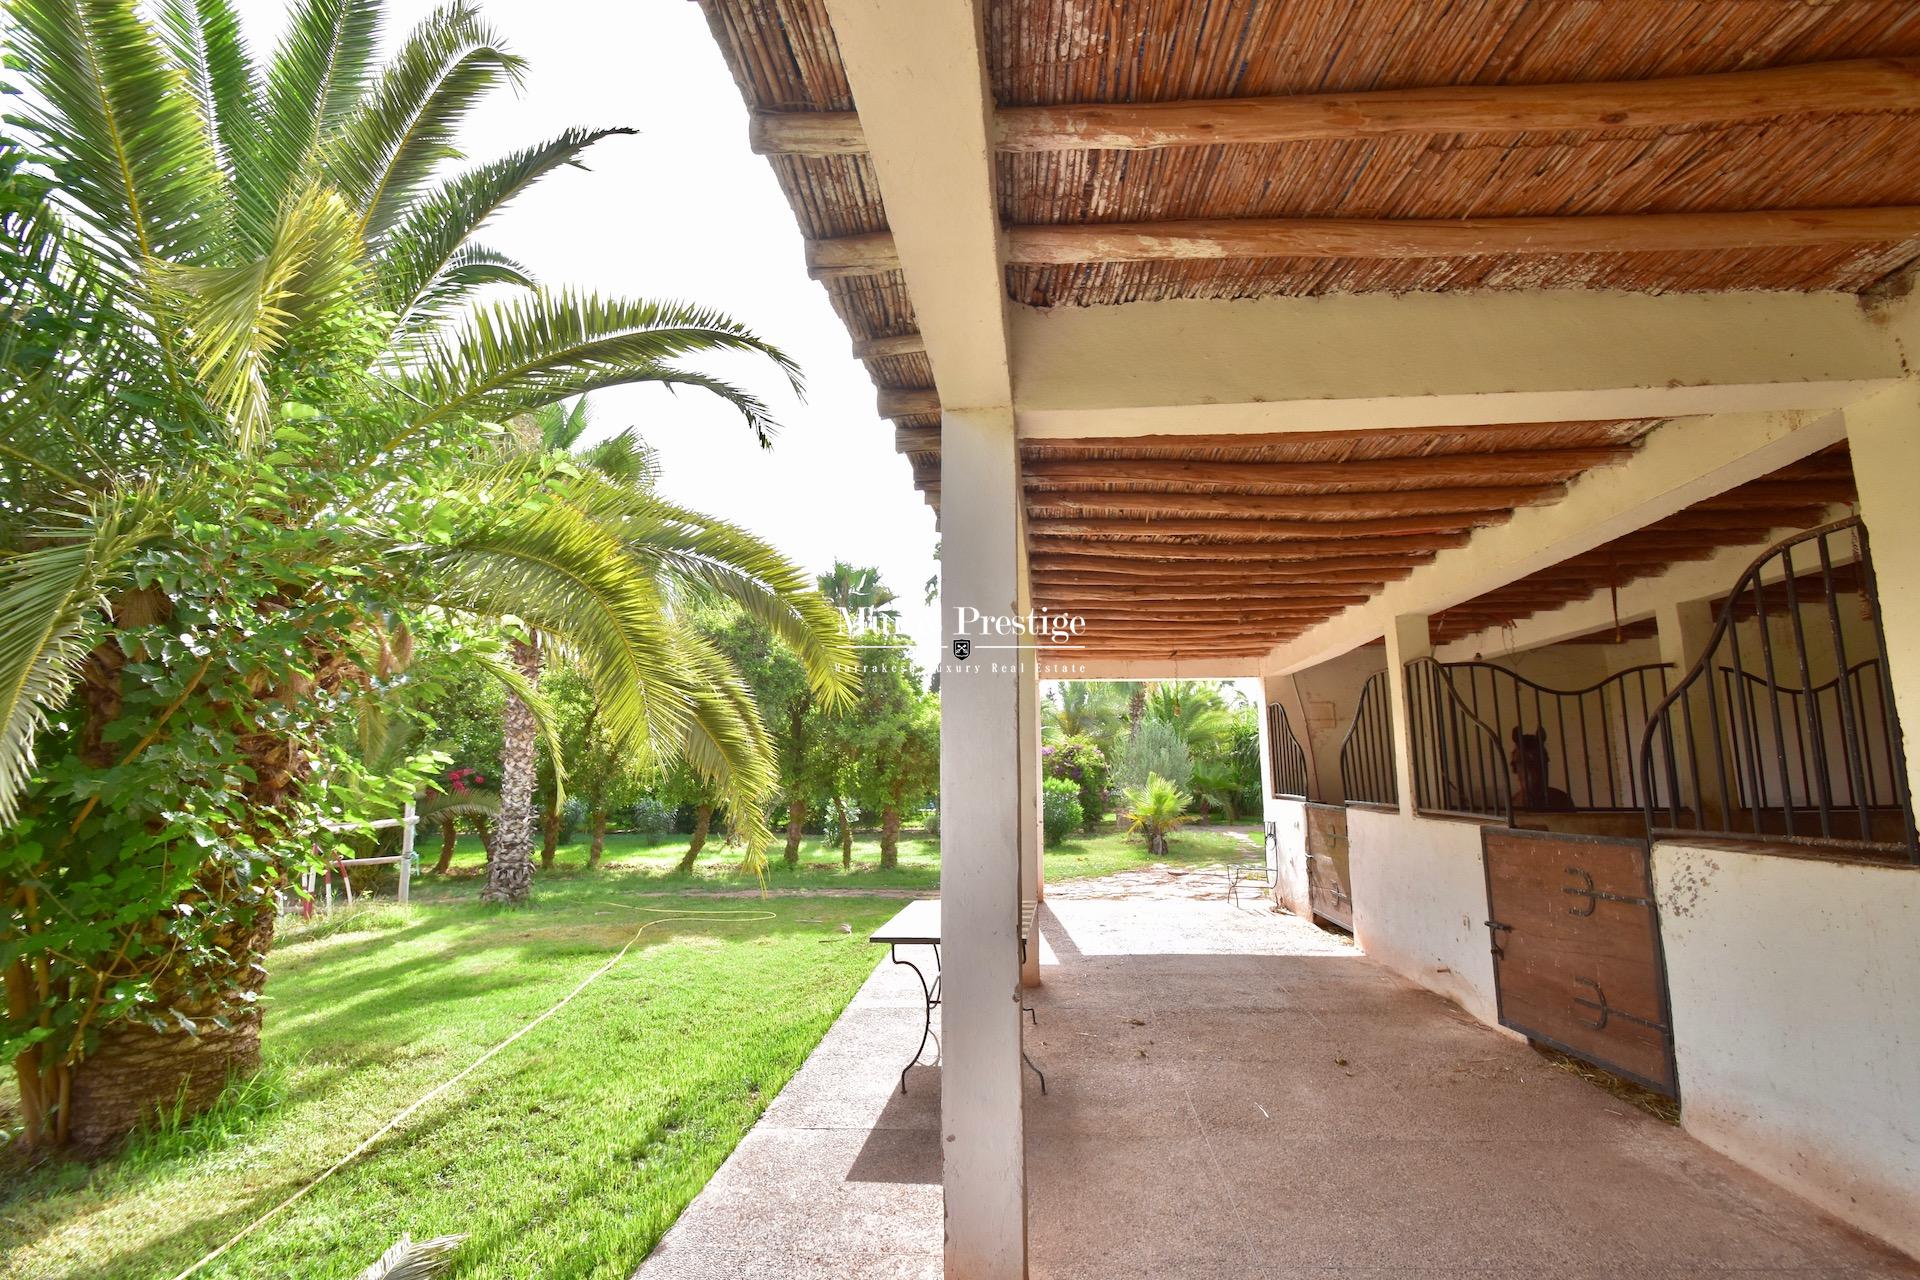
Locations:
(1689, 580)
(1379, 360)
(1680, 463)
(919, 80)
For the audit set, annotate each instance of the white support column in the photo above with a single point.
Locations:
(1408, 638)
(982, 828)
(1032, 779)
(1884, 435)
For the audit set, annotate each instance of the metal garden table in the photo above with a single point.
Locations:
(918, 925)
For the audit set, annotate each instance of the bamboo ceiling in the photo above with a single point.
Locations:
(1815, 153)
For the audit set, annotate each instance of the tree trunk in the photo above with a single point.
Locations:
(599, 838)
(796, 821)
(449, 836)
(484, 829)
(846, 833)
(510, 874)
(549, 837)
(702, 819)
(889, 838)
(135, 1072)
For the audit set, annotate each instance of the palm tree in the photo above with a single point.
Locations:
(1195, 708)
(247, 458)
(1085, 708)
(623, 459)
(859, 595)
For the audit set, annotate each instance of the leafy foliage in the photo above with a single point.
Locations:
(250, 458)
(1081, 762)
(1157, 748)
(1060, 813)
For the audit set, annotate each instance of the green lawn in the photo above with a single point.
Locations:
(655, 858)
(566, 1156)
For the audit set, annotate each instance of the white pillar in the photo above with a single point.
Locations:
(1408, 638)
(981, 826)
(1884, 435)
(1032, 800)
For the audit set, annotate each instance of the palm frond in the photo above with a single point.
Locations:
(723, 558)
(471, 803)
(319, 74)
(726, 743)
(568, 577)
(205, 39)
(52, 609)
(239, 318)
(422, 244)
(410, 1259)
(134, 159)
(515, 355)
(406, 126)
(625, 459)
(471, 268)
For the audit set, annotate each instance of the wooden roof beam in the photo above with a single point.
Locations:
(908, 402)
(1123, 530)
(1555, 464)
(1865, 85)
(899, 344)
(1071, 244)
(1335, 506)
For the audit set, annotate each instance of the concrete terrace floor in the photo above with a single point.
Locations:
(1236, 1093)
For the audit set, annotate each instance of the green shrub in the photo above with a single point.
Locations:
(650, 817)
(1060, 812)
(1080, 761)
(1155, 748)
(573, 816)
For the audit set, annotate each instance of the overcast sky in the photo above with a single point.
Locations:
(685, 210)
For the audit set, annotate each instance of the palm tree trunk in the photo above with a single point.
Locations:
(549, 838)
(889, 837)
(510, 874)
(796, 822)
(449, 836)
(846, 833)
(599, 838)
(484, 829)
(702, 819)
(133, 1070)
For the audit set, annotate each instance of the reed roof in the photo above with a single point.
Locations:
(1073, 52)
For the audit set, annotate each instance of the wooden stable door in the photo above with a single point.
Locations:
(1328, 889)
(1577, 963)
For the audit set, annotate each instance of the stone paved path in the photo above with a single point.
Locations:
(1236, 1093)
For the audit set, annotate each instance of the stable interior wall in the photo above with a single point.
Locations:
(1329, 695)
(1797, 1031)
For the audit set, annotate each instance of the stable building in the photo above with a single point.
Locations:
(1524, 392)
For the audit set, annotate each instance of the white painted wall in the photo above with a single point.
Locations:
(1796, 1013)
(1420, 903)
(1289, 862)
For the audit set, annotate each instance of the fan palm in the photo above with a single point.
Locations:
(247, 453)
(1085, 708)
(1195, 708)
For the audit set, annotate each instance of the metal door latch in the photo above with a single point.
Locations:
(1496, 929)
